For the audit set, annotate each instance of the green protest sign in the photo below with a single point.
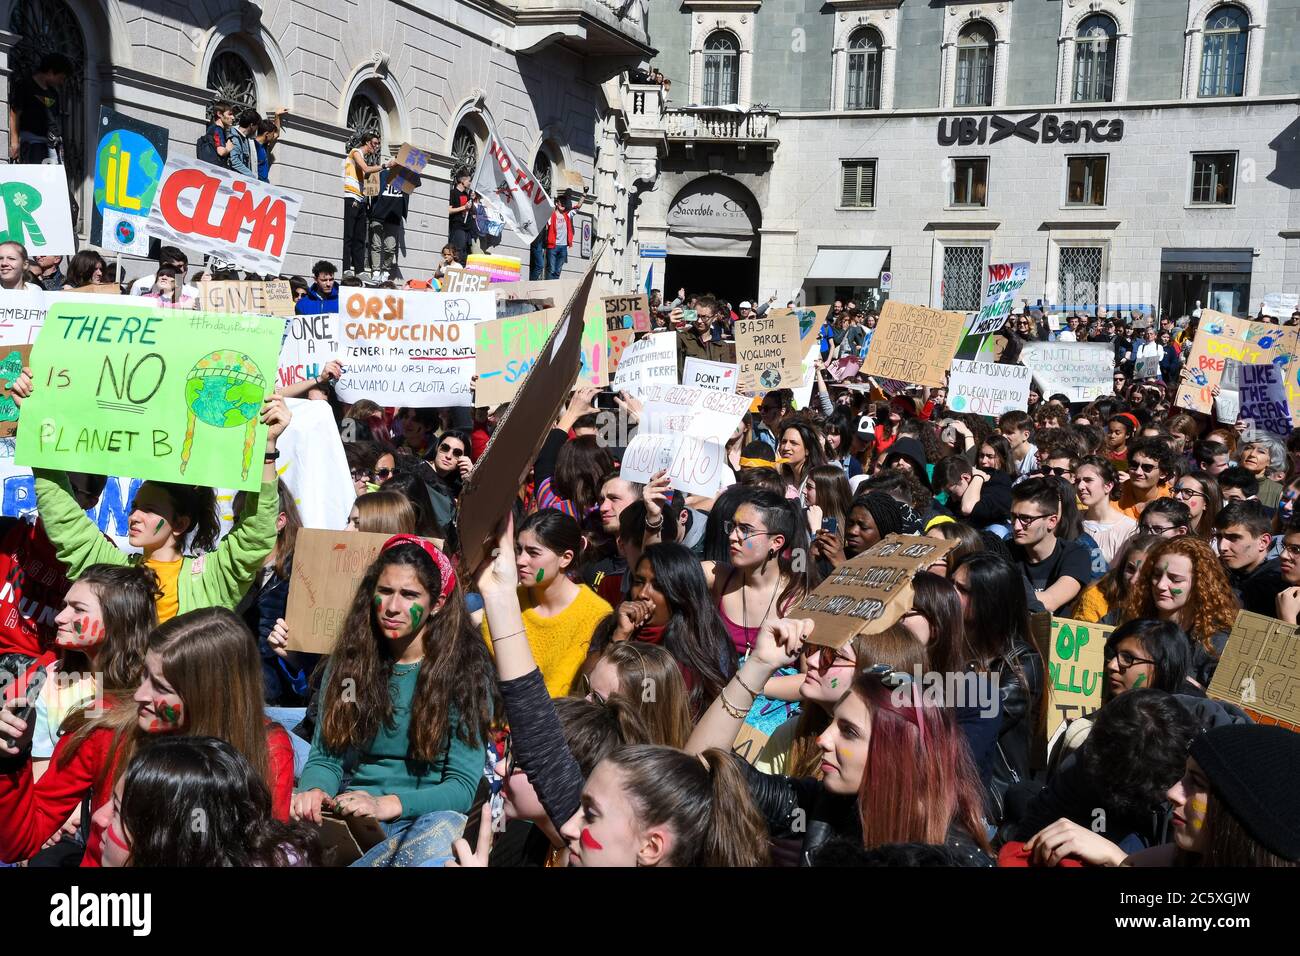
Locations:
(153, 394)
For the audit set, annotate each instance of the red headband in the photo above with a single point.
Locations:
(1130, 417)
(444, 566)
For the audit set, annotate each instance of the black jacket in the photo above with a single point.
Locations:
(1020, 696)
(802, 812)
(994, 506)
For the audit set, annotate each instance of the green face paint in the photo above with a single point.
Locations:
(1141, 679)
(379, 600)
(1175, 591)
(417, 615)
(835, 682)
(161, 523)
(541, 573)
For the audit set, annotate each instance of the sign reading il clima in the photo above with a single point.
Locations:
(970, 131)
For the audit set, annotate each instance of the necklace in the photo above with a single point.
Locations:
(744, 617)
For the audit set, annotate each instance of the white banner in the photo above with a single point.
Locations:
(648, 361)
(1279, 305)
(510, 192)
(701, 373)
(413, 349)
(1005, 280)
(1082, 370)
(988, 388)
(22, 311)
(36, 210)
(314, 466)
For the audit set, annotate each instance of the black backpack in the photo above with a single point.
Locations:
(206, 150)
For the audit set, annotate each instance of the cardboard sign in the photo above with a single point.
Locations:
(627, 312)
(1147, 366)
(413, 349)
(1082, 370)
(246, 298)
(1259, 670)
(508, 348)
(619, 340)
(412, 158)
(685, 431)
(1220, 337)
(150, 393)
(749, 743)
(314, 466)
(648, 361)
(129, 162)
(769, 353)
(219, 212)
(456, 279)
(327, 567)
(37, 215)
(1076, 671)
(97, 288)
(988, 388)
(499, 473)
(310, 342)
(914, 344)
(701, 373)
(869, 593)
(370, 186)
(546, 293)
(1264, 400)
(1005, 280)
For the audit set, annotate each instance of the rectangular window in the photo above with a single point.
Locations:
(963, 277)
(1085, 181)
(1214, 178)
(858, 183)
(1078, 277)
(970, 182)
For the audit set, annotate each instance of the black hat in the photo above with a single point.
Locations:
(911, 449)
(1255, 770)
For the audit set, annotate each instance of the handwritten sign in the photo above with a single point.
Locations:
(310, 342)
(456, 279)
(328, 566)
(219, 212)
(701, 373)
(410, 163)
(769, 353)
(619, 340)
(1220, 337)
(648, 361)
(508, 348)
(627, 312)
(1264, 400)
(1082, 370)
(129, 161)
(1005, 280)
(914, 344)
(685, 431)
(1259, 670)
(871, 592)
(414, 349)
(150, 393)
(1076, 670)
(246, 298)
(37, 215)
(988, 388)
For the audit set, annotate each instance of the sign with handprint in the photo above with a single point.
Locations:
(34, 199)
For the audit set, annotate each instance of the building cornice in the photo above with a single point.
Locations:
(1128, 106)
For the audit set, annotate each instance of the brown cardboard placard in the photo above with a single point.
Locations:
(505, 349)
(12, 360)
(1259, 670)
(412, 157)
(370, 185)
(914, 344)
(99, 288)
(627, 312)
(327, 567)
(619, 340)
(1076, 671)
(1220, 337)
(344, 840)
(769, 353)
(456, 279)
(868, 593)
(233, 297)
(749, 743)
(495, 481)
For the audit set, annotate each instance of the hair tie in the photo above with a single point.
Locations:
(445, 569)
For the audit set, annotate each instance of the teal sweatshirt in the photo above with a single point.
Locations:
(448, 783)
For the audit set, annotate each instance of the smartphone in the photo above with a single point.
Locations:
(28, 710)
(831, 524)
(605, 401)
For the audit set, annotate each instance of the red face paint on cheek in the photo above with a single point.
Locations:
(111, 833)
(167, 717)
(589, 841)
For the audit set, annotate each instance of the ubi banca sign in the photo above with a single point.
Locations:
(969, 131)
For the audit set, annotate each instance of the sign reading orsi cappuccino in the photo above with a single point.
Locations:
(969, 131)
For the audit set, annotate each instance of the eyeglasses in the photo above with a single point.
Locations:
(1028, 520)
(746, 532)
(1182, 491)
(1126, 659)
(449, 450)
(1146, 467)
(1057, 472)
(591, 691)
(383, 474)
(1157, 529)
(360, 474)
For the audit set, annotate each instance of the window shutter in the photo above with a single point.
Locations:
(867, 184)
(858, 183)
(849, 196)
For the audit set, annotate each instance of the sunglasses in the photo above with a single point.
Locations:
(1057, 472)
(594, 694)
(449, 450)
(383, 474)
(360, 474)
(1145, 467)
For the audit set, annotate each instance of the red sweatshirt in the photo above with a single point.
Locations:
(33, 583)
(29, 814)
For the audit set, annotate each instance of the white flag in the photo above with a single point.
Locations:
(509, 190)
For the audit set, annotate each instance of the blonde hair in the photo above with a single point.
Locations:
(385, 512)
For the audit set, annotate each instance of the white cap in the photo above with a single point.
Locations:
(746, 305)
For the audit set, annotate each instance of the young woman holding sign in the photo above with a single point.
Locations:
(203, 574)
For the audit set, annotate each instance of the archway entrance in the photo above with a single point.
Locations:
(713, 240)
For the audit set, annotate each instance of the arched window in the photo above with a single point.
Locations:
(721, 69)
(231, 78)
(974, 81)
(862, 80)
(1223, 52)
(544, 172)
(1094, 60)
(464, 150)
(363, 117)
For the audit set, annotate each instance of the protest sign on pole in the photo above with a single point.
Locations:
(627, 312)
(37, 214)
(1263, 399)
(129, 162)
(1220, 337)
(868, 593)
(1076, 671)
(769, 353)
(1082, 370)
(246, 298)
(494, 483)
(327, 568)
(508, 348)
(150, 393)
(414, 349)
(314, 466)
(1005, 280)
(648, 361)
(701, 373)
(1259, 670)
(914, 344)
(509, 189)
(988, 388)
(219, 212)
(684, 431)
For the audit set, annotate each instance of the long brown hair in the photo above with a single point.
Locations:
(651, 680)
(128, 603)
(286, 539)
(385, 512)
(1211, 605)
(456, 678)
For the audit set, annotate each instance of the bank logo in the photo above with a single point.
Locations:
(972, 131)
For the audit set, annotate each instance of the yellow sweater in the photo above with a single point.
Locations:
(1092, 606)
(560, 643)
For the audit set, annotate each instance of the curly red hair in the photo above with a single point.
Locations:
(1212, 606)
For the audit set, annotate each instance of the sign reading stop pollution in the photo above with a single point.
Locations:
(1005, 280)
(1076, 669)
(769, 353)
(129, 163)
(154, 394)
(914, 344)
(221, 213)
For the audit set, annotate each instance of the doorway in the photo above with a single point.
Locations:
(735, 280)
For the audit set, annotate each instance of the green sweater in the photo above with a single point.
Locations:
(448, 783)
(217, 579)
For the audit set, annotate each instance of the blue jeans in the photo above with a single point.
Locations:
(555, 260)
(537, 261)
(289, 718)
(424, 841)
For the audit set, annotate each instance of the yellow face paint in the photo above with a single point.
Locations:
(1199, 806)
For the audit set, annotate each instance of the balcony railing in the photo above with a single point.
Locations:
(720, 122)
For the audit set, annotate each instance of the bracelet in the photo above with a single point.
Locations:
(733, 711)
(506, 637)
(655, 527)
(271, 456)
(752, 693)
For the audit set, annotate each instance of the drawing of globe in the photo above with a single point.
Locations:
(142, 176)
(225, 389)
